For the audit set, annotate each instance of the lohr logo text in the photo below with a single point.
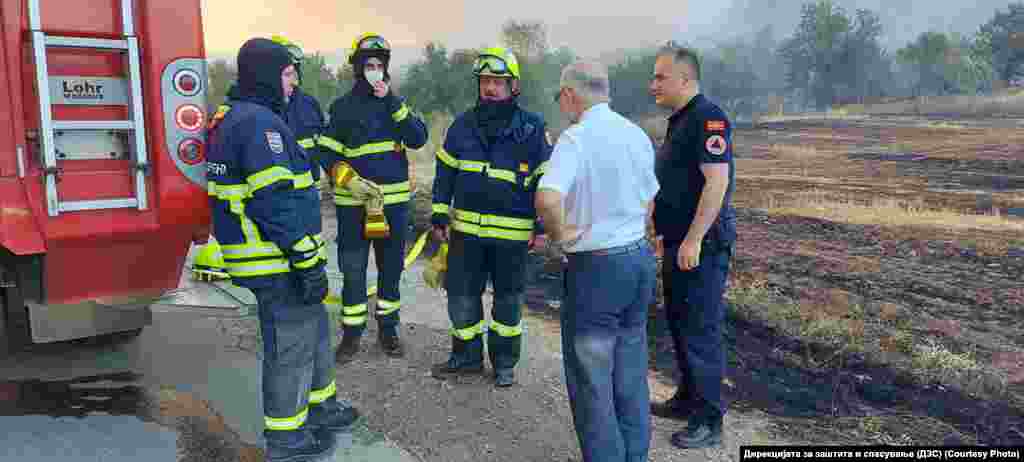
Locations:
(82, 89)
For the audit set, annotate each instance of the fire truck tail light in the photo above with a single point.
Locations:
(187, 82)
(189, 117)
(191, 151)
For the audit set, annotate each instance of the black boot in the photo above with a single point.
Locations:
(390, 343)
(679, 407)
(466, 359)
(704, 430)
(349, 347)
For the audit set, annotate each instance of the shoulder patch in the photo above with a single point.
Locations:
(716, 145)
(714, 125)
(274, 141)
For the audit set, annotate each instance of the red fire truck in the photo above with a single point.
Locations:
(102, 166)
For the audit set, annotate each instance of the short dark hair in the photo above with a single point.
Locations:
(681, 54)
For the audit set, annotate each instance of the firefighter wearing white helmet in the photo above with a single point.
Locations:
(368, 133)
(483, 207)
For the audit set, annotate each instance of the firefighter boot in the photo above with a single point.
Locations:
(298, 445)
(390, 343)
(349, 347)
(332, 415)
(466, 359)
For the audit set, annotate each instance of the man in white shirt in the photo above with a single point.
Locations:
(594, 200)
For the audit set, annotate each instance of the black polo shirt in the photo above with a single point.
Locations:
(697, 134)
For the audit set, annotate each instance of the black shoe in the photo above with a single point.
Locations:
(504, 378)
(391, 345)
(700, 433)
(332, 416)
(450, 368)
(348, 348)
(315, 447)
(678, 407)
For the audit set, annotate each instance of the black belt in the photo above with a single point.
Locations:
(635, 245)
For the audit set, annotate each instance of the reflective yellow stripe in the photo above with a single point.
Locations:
(303, 181)
(371, 148)
(440, 208)
(255, 268)
(250, 250)
(493, 220)
(286, 423)
(400, 114)
(386, 307)
(307, 143)
(467, 333)
(332, 144)
(353, 315)
(267, 177)
(395, 187)
(394, 193)
(485, 232)
(228, 191)
(537, 173)
(321, 395)
(507, 175)
(472, 165)
(447, 159)
(506, 331)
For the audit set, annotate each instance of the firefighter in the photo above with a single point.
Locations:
(265, 214)
(483, 206)
(369, 130)
(304, 114)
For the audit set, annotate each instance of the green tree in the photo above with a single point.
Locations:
(1003, 36)
(220, 77)
(814, 53)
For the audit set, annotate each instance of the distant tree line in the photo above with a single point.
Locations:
(833, 56)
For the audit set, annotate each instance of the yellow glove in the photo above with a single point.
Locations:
(345, 176)
(435, 271)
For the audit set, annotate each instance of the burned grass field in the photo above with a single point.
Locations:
(877, 294)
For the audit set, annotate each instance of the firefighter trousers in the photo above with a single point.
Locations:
(471, 263)
(354, 254)
(298, 365)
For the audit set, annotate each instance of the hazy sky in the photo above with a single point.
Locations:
(586, 26)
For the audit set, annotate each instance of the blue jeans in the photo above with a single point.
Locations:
(353, 258)
(604, 348)
(298, 364)
(695, 308)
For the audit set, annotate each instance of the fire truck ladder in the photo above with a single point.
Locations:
(47, 126)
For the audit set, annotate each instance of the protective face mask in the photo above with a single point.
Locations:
(374, 76)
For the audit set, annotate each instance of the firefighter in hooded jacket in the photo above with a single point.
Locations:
(483, 205)
(368, 131)
(265, 217)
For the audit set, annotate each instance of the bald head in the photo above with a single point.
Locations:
(589, 79)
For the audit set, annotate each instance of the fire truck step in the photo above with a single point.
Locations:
(84, 42)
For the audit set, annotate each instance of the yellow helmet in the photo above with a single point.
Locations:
(293, 48)
(497, 62)
(209, 263)
(369, 42)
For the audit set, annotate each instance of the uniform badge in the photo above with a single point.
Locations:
(274, 142)
(714, 126)
(523, 167)
(716, 145)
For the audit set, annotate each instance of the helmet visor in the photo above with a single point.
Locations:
(374, 43)
(491, 65)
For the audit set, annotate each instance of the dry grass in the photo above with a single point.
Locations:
(887, 212)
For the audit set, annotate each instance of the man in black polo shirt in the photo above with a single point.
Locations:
(694, 217)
